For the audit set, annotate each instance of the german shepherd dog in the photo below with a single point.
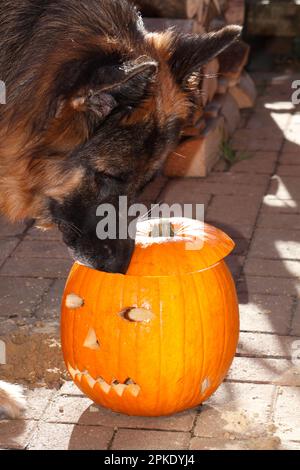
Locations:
(95, 103)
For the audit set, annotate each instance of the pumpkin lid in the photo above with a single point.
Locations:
(175, 246)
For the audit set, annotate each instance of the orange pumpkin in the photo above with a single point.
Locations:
(161, 338)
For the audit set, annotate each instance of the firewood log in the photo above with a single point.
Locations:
(169, 8)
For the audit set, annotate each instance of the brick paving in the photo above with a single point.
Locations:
(257, 202)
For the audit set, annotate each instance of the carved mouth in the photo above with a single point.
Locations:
(115, 385)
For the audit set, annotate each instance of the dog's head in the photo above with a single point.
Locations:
(106, 103)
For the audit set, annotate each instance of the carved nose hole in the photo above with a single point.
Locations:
(91, 341)
(135, 314)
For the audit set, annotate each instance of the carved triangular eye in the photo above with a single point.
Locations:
(91, 340)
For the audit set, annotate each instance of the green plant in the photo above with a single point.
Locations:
(231, 156)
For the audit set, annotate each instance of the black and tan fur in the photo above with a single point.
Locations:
(94, 105)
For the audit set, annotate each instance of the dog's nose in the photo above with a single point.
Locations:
(114, 258)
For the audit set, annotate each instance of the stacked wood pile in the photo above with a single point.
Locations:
(225, 87)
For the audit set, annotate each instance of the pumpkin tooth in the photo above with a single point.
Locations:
(118, 387)
(132, 387)
(91, 340)
(73, 372)
(105, 387)
(74, 301)
(89, 379)
(136, 314)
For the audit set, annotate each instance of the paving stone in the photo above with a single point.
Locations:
(248, 134)
(261, 139)
(262, 370)
(178, 422)
(258, 162)
(235, 264)
(257, 145)
(16, 434)
(71, 409)
(290, 147)
(275, 106)
(274, 268)
(234, 210)
(227, 183)
(238, 179)
(285, 187)
(176, 192)
(296, 322)
(36, 267)
(281, 119)
(235, 231)
(19, 297)
(268, 286)
(288, 170)
(269, 243)
(264, 345)
(230, 189)
(236, 410)
(264, 119)
(289, 445)
(51, 304)
(265, 313)
(267, 443)
(129, 439)
(279, 221)
(50, 436)
(35, 233)
(185, 191)
(241, 246)
(7, 246)
(274, 205)
(69, 388)
(37, 401)
(8, 229)
(292, 134)
(67, 409)
(290, 159)
(287, 414)
(41, 249)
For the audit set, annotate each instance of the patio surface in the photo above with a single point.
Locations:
(258, 204)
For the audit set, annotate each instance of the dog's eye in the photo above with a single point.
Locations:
(110, 178)
(129, 109)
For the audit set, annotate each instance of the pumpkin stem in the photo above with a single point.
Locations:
(162, 229)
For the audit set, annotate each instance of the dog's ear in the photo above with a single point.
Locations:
(190, 52)
(110, 86)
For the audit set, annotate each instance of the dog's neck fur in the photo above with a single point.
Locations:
(29, 64)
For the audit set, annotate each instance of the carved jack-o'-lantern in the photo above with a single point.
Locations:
(161, 338)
